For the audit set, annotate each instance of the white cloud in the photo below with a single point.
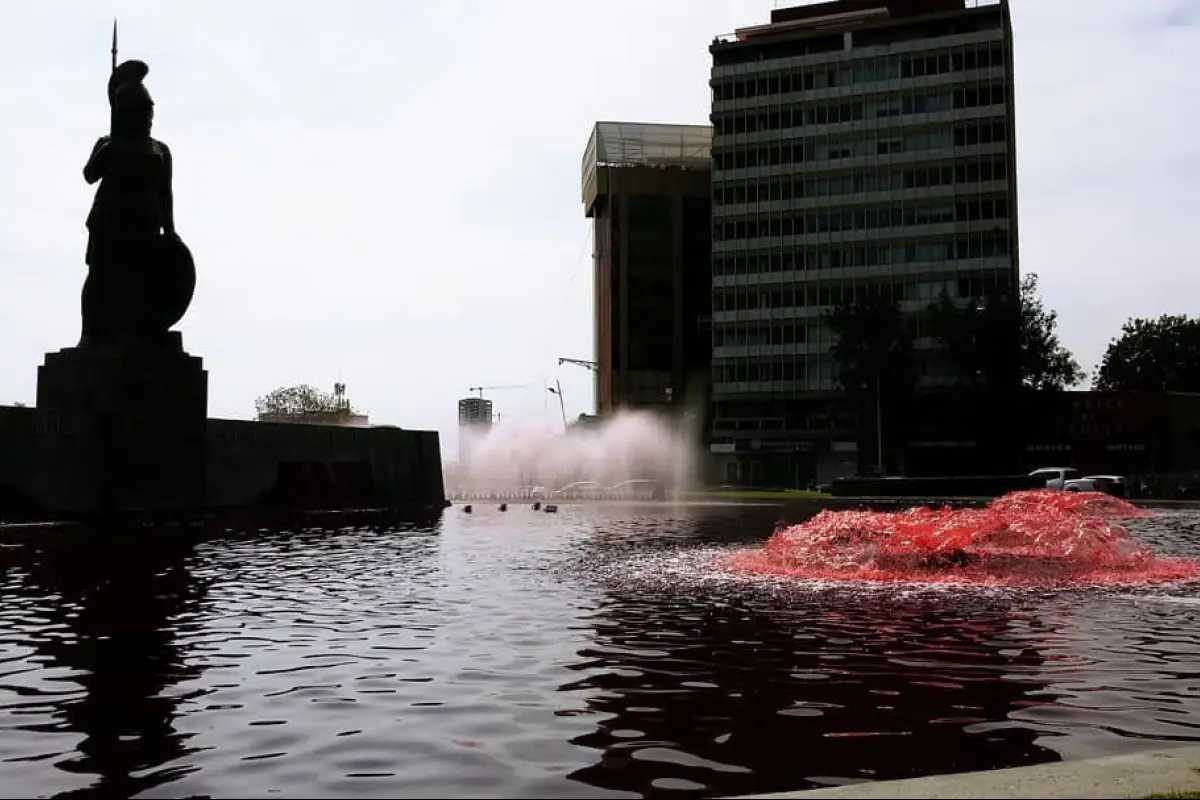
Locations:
(389, 192)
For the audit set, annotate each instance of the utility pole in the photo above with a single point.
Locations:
(878, 419)
(557, 389)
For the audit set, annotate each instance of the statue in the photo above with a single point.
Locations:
(140, 273)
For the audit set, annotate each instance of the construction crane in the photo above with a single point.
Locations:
(482, 389)
(579, 362)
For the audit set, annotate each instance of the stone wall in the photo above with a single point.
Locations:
(19, 437)
(245, 458)
(249, 463)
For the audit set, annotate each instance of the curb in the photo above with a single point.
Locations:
(1126, 776)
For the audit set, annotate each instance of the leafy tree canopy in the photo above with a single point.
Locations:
(301, 400)
(1153, 355)
(871, 342)
(1045, 363)
(978, 336)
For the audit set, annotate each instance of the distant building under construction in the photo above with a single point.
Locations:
(474, 422)
(647, 188)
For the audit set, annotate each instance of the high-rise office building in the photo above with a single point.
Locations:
(647, 189)
(857, 144)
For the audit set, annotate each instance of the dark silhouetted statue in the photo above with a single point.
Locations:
(125, 411)
(140, 274)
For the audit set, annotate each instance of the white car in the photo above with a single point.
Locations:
(1109, 484)
(1068, 479)
(1057, 477)
(636, 489)
(579, 490)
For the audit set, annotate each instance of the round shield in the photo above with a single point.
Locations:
(173, 282)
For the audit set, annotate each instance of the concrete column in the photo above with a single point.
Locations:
(621, 334)
(678, 323)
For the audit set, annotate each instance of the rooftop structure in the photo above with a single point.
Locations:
(642, 144)
(647, 190)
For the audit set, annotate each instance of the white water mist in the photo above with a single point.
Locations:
(525, 454)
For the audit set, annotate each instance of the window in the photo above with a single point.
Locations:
(885, 146)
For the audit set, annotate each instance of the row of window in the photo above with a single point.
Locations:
(832, 293)
(918, 326)
(799, 332)
(941, 61)
(777, 369)
(827, 148)
(799, 223)
(967, 170)
(793, 332)
(788, 415)
(981, 244)
(888, 105)
(811, 369)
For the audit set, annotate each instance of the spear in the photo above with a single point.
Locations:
(112, 114)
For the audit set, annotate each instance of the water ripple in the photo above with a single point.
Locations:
(589, 653)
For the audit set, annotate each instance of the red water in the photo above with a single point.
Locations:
(1031, 538)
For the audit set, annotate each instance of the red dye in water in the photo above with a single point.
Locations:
(1039, 537)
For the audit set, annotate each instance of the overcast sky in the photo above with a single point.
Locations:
(388, 191)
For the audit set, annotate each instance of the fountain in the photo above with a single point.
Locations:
(514, 459)
(1027, 538)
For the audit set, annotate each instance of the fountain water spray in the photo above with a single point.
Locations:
(1040, 538)
(523, 454)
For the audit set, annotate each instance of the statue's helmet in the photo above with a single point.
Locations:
(125, 87)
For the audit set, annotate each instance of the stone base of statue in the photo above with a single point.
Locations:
(123, 430)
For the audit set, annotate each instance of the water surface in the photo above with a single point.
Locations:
(590, 653)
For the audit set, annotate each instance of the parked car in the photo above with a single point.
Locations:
(579, 490)
(1109, 484)
(1068, 479)
(636, 489)
(1056, 477)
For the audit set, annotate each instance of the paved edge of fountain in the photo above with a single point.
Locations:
(1133, 775)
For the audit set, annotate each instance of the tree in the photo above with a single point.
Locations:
(1045, 363)
(300, 401)
(1153, 355)
(873, 351)
(871, 340)
(979, 338)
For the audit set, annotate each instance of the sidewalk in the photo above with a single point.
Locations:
(1134, 775)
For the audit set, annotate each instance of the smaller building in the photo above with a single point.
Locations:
(646, 188)
(1120, 433)
(1123, 433)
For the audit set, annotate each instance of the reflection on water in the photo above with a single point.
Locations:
(736, 696)
(596, 652)
(91, 660)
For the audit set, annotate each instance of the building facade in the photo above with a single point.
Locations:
(859, 147)
(646, 188)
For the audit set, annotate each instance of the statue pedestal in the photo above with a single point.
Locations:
(123, 430)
